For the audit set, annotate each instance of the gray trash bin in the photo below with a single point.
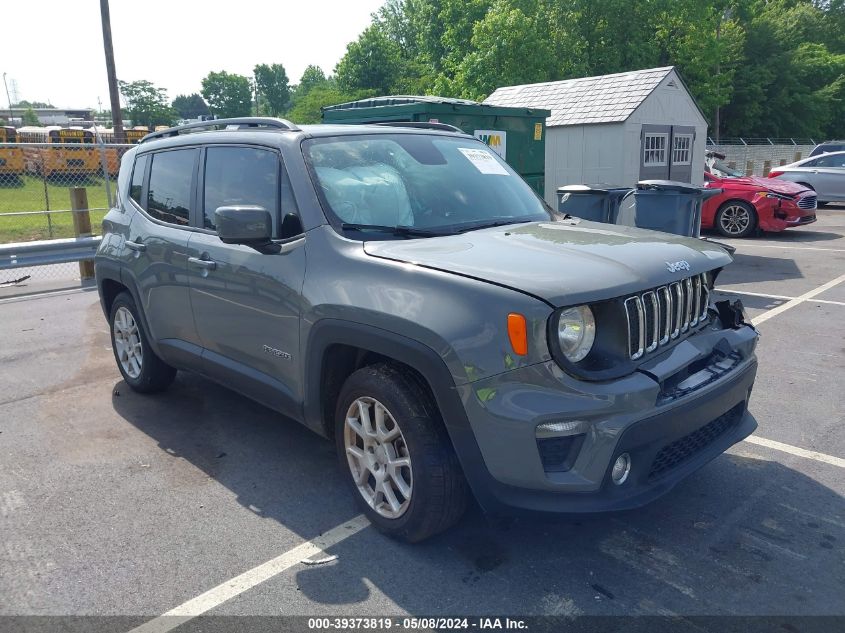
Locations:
(598, 203)
(665, 205)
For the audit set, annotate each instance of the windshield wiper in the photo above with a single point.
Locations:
(491, 224)
(409, 231)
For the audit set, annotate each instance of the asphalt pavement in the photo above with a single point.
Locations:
(118, 504)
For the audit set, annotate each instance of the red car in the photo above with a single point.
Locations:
(748, 203)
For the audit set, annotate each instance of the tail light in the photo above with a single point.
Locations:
(775, 173)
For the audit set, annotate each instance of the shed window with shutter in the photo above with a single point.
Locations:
(682, 149)
(654, 149)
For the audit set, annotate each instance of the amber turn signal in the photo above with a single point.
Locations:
(518, 333)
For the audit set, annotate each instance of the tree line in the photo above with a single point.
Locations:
(773, 68)
(268, 92)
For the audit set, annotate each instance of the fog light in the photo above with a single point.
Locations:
(621, 469)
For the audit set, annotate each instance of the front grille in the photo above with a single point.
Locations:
(658, 316)
(807, 202)
(679, 451)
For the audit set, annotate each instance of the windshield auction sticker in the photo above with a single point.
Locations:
(484, 161)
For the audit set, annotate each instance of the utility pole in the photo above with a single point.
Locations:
(114, 95)
(8, 98)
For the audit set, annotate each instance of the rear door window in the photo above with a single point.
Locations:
(237, 176)
(831, 160)
(171, 182)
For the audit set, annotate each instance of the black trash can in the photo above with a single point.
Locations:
(598, 203)
(666, 205)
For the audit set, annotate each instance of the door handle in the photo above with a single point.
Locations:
(138, 247)
(208, 264)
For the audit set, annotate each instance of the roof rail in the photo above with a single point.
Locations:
(239, 123)
(425, 125)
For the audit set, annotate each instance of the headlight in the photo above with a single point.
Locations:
(772, 194)
(576, 332)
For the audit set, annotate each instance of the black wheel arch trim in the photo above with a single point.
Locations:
(105, 269)
(426, 361)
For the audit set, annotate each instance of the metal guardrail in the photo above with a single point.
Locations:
(45, 252)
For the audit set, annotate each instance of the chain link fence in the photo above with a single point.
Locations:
(758, 156)
(43, 186)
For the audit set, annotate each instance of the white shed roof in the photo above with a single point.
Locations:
(603, 99)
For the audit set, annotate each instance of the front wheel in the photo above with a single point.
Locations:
(396, 454)
(736, 219)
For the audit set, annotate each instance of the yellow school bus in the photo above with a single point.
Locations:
(74, 154)
(11, 158)
(113, 154)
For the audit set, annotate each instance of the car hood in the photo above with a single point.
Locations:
(766, 184)
(563, 263)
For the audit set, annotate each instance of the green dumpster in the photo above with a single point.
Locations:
(517, 134)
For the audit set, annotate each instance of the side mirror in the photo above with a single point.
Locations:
(249, 225)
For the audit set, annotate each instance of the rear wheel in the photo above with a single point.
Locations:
(396, 454)
(736, 218)
(139, 365)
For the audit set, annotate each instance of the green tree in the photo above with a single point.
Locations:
(307, 109)
(312, 76)
(190, 106)
(510, 45)
(273, 86)
(32, 104)
(227, 95)
(29, 117)
(146, 104)
(372, 62)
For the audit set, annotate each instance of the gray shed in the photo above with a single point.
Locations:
(616, 129)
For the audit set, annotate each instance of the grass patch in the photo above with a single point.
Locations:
(27, 193)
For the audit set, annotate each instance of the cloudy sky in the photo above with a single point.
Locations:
(59, 57)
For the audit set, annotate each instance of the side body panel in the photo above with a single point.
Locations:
(247, 311)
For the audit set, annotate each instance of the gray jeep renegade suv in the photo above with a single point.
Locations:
(403, 291)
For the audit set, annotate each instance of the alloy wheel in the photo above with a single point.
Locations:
(127, 342)
(735, 219)
(378, 457)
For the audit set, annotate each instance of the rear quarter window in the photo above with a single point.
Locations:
(138, 172)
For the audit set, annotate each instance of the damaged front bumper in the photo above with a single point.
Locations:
(674, 414)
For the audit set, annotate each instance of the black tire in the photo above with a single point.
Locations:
(439, 491)
(155, 375)
(731, 212)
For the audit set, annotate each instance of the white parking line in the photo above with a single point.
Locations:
(794, 450)
(249, 579)
(764, 295)
(796, 301)
(790, 247)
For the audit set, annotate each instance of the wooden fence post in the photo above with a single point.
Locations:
(797, 157)
(81, 225)
(749, 168)
(767, 167)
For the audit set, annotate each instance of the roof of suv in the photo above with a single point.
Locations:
(278, 135)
